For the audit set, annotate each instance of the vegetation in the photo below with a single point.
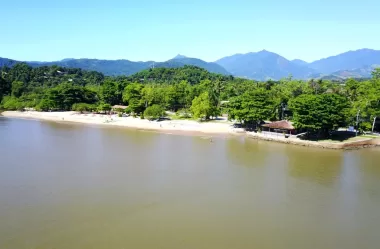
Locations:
(316, 106)
(154, 112)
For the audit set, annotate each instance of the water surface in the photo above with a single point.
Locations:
(68, 186)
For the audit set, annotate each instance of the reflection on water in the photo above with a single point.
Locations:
(74, 186)
(317, 165)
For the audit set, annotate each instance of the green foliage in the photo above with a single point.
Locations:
(252, 107)
(192, 74)
(111, 92)
(4, 87)
(376, 73)
(319, 105)
(12, 103)
(83, 107)
(63, 96)
(133, 96)
(103, 107)
(202, 107)
(46, 105)
(154, 112)
(17, 88)
(319, 112)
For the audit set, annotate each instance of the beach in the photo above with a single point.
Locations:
(185, 126)
(222, 127)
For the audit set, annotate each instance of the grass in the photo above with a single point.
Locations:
(341, 136)
(350, 139)
(369, 136)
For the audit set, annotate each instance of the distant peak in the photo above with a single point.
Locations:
(266, 52)
(67, 59)
(179, 56)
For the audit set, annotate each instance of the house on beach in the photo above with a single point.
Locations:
(282, 126)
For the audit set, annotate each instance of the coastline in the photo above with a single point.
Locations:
(188, 126)
(348, 145)
(127, 122)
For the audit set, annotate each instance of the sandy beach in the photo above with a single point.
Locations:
(188, 126)
(221, 127)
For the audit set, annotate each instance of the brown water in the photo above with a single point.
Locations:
(68, 186)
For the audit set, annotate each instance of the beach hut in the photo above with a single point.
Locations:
(282, 126)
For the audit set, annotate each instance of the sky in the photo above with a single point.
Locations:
(158, 30)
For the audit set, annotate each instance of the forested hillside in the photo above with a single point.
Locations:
(315, 105)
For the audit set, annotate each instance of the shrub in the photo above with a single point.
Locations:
(154, 112)
(83, 107)
(104, 107)
(12, 103)
(45, 105)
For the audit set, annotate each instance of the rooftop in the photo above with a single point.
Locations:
(283, 124)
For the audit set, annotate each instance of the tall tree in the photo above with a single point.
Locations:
(321, 113)
(133, 96)
(110, 92)
(17, 88)
(202, 107)
(376, 73)
(252, 107)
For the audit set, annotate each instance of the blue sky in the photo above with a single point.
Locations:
(206, 29)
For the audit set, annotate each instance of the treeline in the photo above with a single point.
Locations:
(315, 105)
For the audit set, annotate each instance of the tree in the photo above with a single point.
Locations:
(104, 107)
(110, 93)
(376, 73)
(65, 95)
(4, 87)
(17, 88)
(82, 107)
(321, 113)
(202, 107)
(12, 103)
(367, 100)
(154, 112)
(153, 94)
(252, 107)
(46, 105)
(132, 95)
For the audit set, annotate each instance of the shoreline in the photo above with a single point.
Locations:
(182, 126)
(126, 122)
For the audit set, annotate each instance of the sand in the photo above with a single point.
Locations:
(222, 127)
(189, 126)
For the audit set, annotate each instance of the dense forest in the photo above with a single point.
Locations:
(192, 92)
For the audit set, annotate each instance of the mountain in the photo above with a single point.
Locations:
(7, 62)
(299, 62)
(351, 60)
(364, 72)
(180, 61)
(179, 56)
(123, 67)
(263, 65)
(107, 67)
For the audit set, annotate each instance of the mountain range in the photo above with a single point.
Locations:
(262, 65)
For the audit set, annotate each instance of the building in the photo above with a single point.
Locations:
(282, 126)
